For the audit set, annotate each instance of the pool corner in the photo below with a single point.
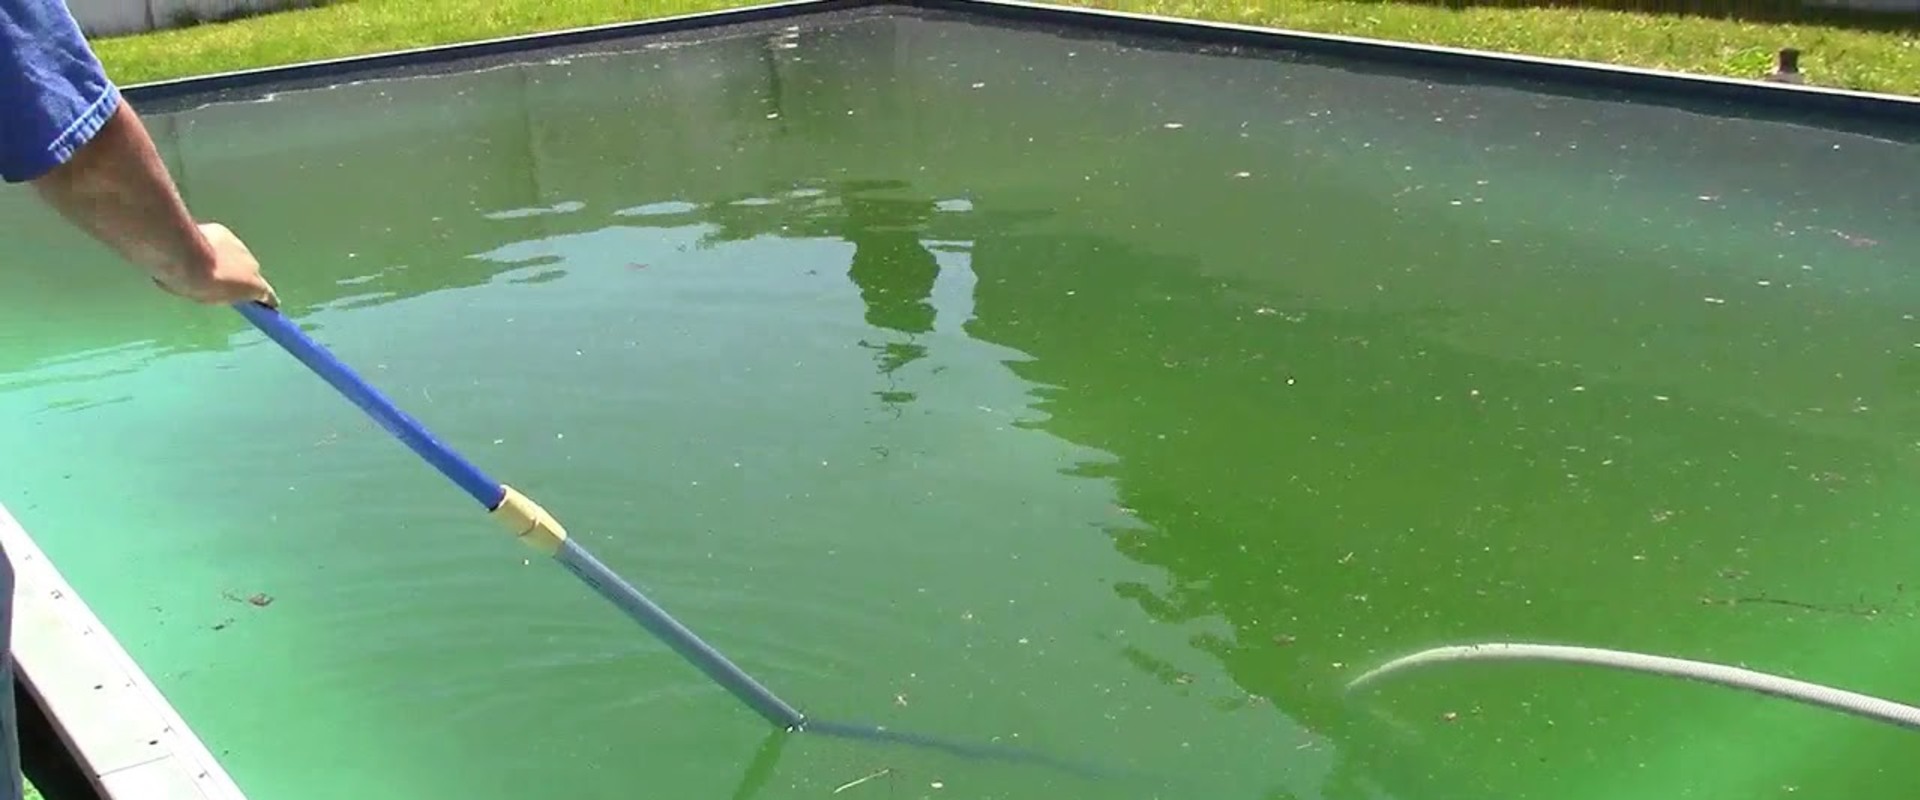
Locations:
(124, 735)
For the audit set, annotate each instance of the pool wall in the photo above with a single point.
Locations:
(1474, 65)
(1836, 107)
(123, 733)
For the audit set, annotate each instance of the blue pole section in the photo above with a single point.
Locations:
(484, 490)
(531, 523)
(534, 526)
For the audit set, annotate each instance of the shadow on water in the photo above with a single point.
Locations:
(760, 770)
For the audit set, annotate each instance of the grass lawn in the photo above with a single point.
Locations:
(1719, 37)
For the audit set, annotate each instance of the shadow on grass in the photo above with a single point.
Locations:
(1762, 11)
(188, 17)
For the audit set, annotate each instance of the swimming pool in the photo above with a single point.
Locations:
(1108, 397)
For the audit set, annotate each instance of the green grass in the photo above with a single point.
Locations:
(1717, 37)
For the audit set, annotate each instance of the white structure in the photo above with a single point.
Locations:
(129, 741)
(117, 17)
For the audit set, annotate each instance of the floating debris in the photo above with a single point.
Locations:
(257, 599)
(879, 773)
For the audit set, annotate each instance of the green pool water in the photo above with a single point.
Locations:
(1116, 401)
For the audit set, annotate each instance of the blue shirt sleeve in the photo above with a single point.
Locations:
(54, 95)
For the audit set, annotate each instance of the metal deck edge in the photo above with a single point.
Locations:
(1765, 94)
(119, 727)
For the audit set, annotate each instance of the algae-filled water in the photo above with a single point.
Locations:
(1119, 402)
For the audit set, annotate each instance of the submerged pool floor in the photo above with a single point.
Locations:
(1120, 402)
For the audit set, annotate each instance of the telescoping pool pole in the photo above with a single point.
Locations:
(530, 523)
(537, 528)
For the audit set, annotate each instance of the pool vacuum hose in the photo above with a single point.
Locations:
(1841, 700)
(537, 528)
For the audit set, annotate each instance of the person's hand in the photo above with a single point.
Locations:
(232, 277)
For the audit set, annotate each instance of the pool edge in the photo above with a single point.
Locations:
(1745, 91)
(433, 54)
(1465, 60)
(126, 737)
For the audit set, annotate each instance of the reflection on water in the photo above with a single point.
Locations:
(943, 385)
(895, 272)
(892, 263)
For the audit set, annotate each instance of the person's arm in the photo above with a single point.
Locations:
(65, 129)
(115, 188)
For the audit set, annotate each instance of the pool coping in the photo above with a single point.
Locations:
(1460, 59)
(120, 729)
(1754, 93)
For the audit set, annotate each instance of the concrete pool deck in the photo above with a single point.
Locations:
(129, 739)
(117, 726)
